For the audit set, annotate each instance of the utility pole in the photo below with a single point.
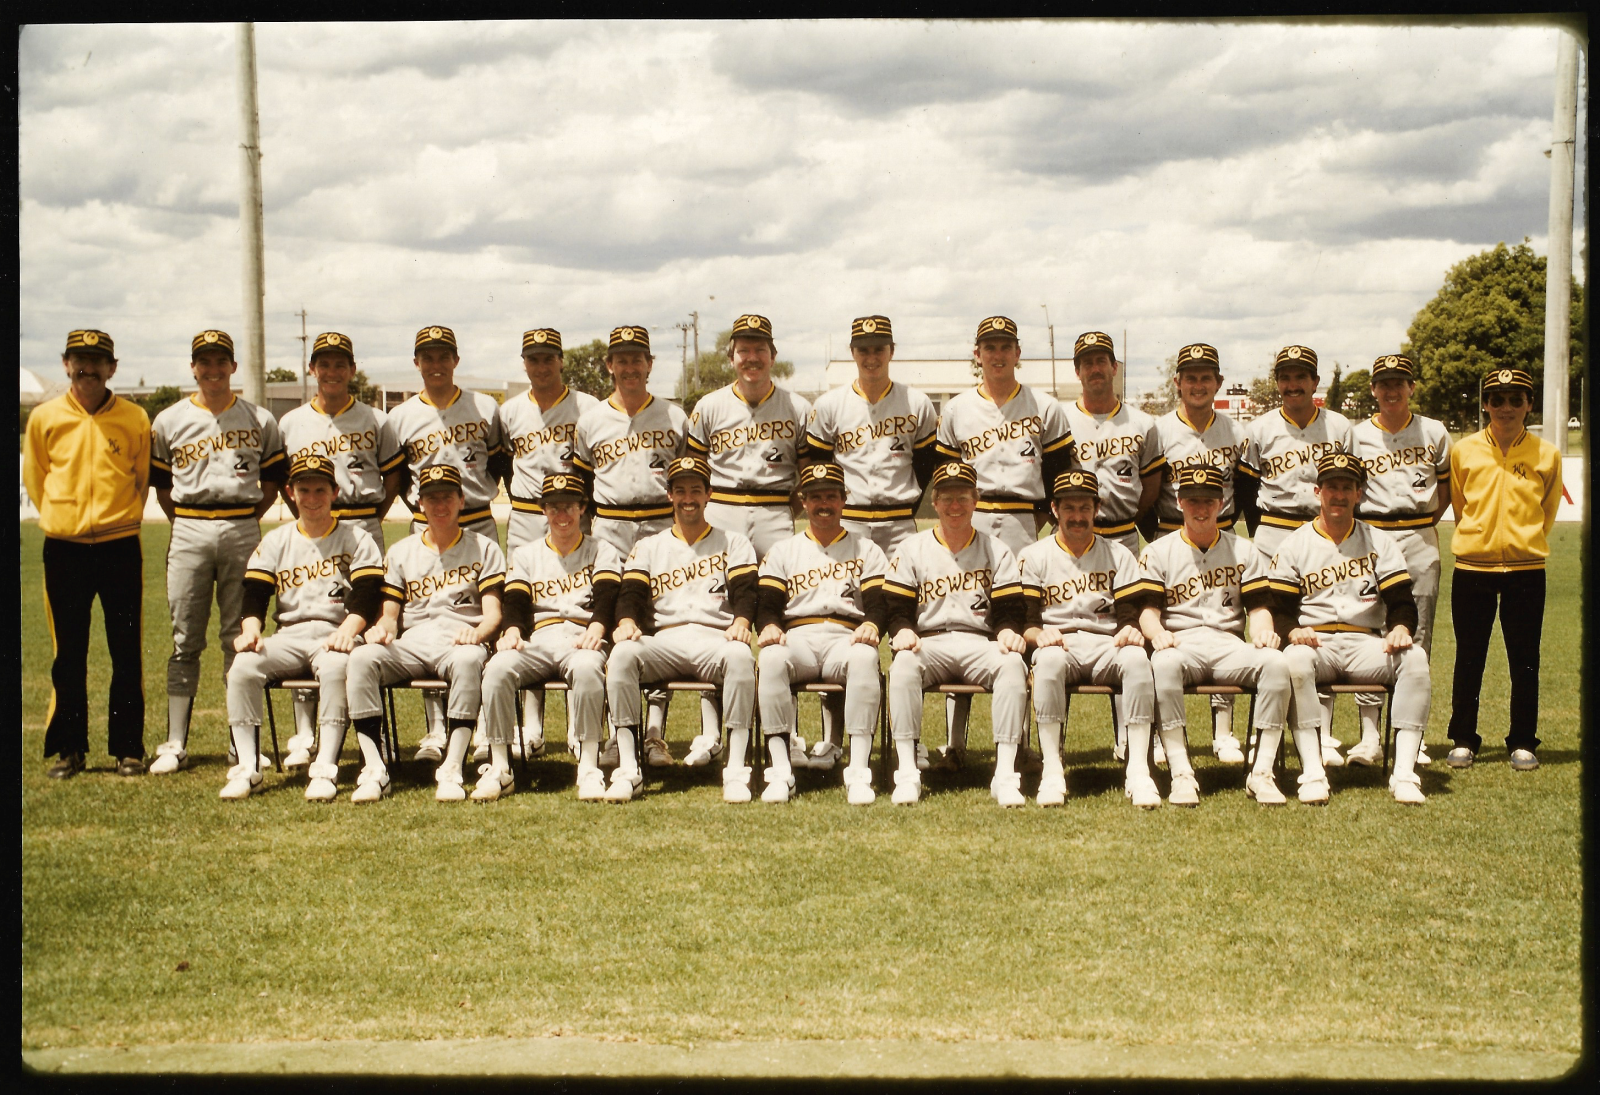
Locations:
(694, 319)
(304, 370)
(255, 340)
(1122, 373)
(1055, 391)
(1558, 265)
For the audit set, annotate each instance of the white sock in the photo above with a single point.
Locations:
(1406, 744)
(588, 754)
(1327, 719)
(178, 719)
(627, 750)
(1175, 741)
(1005, 758)
(456, 751)
(956, 711)
(1267, 742)
(245, 740)
(830, 722)
(532, 715)
(1310, 749)
(1222, 722)
(371, 755)
(738, 742)
(305, 713)
(710, 714)
(1138, 749)
(330, 745)
(860, 750)
(1050, 747)
(778, 756)
(655, 717)
(500, 755)
(905, 750)
(1370, 715)
(433, 707)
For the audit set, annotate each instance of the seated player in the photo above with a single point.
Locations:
(820, 614)
(684, 611)
(326, 574)
(1343, 597)
(1209, 580)
(441, 604)
(560, 600)
(955, 614)
(1083, 593)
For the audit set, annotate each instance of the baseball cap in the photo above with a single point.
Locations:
(686, 466)
(1200, 481)
(1303, 357)
(1076, 482)
(1093, 340)
(1506, 380)
(822, 476)
(332, 342)
(438, 477)
(871, 331)
(311, 466)
(211, 339)
(956, 473)
(1198, 355)
(89, 341)
(629, 338)
(542, 338)
(562, 485)
(435, 336)
(995, 327)
(751, 326)
(1336, 465)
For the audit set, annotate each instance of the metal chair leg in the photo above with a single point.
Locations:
(272, 725)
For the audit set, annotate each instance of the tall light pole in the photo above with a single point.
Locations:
(1558, 265)
(304, 342)
(1054, 392)
(255, 340)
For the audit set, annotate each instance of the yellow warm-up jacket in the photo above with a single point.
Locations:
(87, 473)
(1507, 501)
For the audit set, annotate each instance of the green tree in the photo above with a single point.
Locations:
(281, 375)
(1334, 400)
(583, 369)
(365, 390)
(1489, 313)
(1358, 401)
(1165, 396)
(714, 369)
(1264, 394)
(159, 400)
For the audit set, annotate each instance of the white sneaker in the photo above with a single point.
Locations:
(798, 757)
(371, 785)
(624, 785)
(1365, 754)
(1052, 791)
(449, 785)
(1006, 789)
(432, 746)
(703, 750)
(591, 785)
(1142, 792)
(907, 787)
(1264, 789)
(1423, 759)
(480, 746)
(321, 790)
(824, 755)
(241, 783)
(922, 757)
(1407, 791)
(1314, 792)
(492, 783)
(736, 783)
(858, 787)
(777, 790)
(1331, 757)
(532, 745)
(1227, 750)
(1185, 790)
(1158, 752)
(170, 756)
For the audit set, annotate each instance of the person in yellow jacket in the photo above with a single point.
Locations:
(1505, 485)
(86, 466)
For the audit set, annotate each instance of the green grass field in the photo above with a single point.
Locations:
(165, 929)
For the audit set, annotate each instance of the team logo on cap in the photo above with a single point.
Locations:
(1076, 482)
(1197, 352)
(435, 332)
(90, 338)
(956, 471)
(1505, 376)
(688, 465)
(1091, 339)
(997, 324)
(625, 334)
(540, 336)
(869, 326)
(1391, 362)
(209, 336)
(1292, 353)
(334, 340)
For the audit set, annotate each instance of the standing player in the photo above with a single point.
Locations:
(441, 604)
(1408, 490)
(215, 461)
(560, 601)
(820, 614)
(1344, 601)
(86, 466)
(688, 597)
(1083, 592)
(539, 432)
(327, 575)
(955, 613)
(370, 469)
(1209, 580)
(1276, 487)
(1192, 435)
(621, 448)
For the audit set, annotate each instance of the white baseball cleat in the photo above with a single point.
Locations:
(624, 785)
(1142, 792)
(432, 746)
(824, 755)
(1006, 789)
(1331, 757)
(241, 783)
(1407, 791)
(263, 762)
(703, 750)
(1119, 752)
(591, 785)
(1227, 750)
(1365, 754)
(1052, 791)
(907, 787)
(736, 783)
(1423, 759)
(1158, 752)
(1264, 789)
(449, 785)
(922, 756)
(776, 790)
(1314, 792)
(170, 756)
(296, 761)
(321, 790)
(532, 745)
(371, 785)
(858, 787)
(492, 783)
(1185, 790)
(298, 752)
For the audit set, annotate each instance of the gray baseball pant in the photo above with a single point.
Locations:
(428, 650)
(546, 655)
(524, 528)
(1209, 655)
(288, 652)
(1016, 529)
(201, 556)
(1421, 549)
(763, 526)
(1358, 657)
(688, 651)
(1101, 661)
(958, 658)
(888, 535)
(819, 652)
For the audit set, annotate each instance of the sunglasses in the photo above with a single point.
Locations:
(1500, 399)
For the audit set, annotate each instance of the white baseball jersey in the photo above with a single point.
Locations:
(1119, 447)
(1404, 470)
(689, 582)
(443, 586)
(953, 587)
(753, 449)
(541, 442)
(360, 443)
(1220, 444)
(1005, 444)
(1080, 593)
(214, 461)
(464, 432)
(311, 577)
(824, 583)
(561, 587)
(628, 456)
(1284, 458)
(1204, 586)
(1339, 585)
(872, 443)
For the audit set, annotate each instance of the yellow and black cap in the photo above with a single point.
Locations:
(1301, 357)
(1198, 355)
(1394, 365)
(752, 326)
(311, 466)
(562, 485)
(541, 339)
(1093, 340)
(689, 465)
(435, 336)
(629, 338)
(996, 327)
(1334, 465)
(1505, 380)
(1076, 482)
(822, 477)
(89, 342)
(871, 331)
(211, 340)
(332, 342)
(438, 477)
(956, 473)
(1200, 481)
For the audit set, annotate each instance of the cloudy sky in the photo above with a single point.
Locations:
(1244, 184)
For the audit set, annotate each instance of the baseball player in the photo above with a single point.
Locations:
(1408, 490)
(1344, 601)
(1275, 487)
(215, 462)
(1209, 579)
(820, 613)
(368, 462)
(560, 602)
(327, 575)
(443, 424)
(539, 432)
(1191, 434)
(621, 448)
(441, 604)
(1083, 592)
(1017, 441)
(688, 597)
(86, 466)
(954, 603)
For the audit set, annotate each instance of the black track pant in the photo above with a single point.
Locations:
(74, 575)
(1473, 599)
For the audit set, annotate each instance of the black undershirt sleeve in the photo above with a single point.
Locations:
(365, 598)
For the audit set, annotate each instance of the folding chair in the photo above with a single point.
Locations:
(1281, 762)
(554, 684)
(391, 722)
